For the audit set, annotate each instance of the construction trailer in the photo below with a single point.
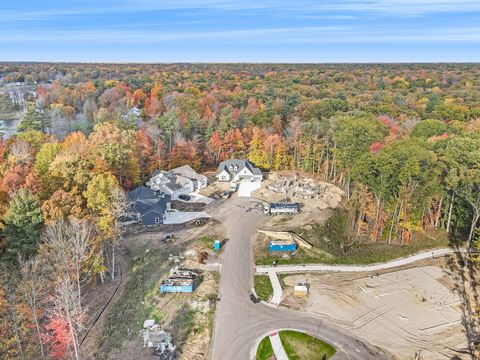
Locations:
(281, 208)
(282, 245)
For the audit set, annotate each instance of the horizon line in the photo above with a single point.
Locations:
(235, 62)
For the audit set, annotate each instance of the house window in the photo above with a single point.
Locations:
(157, 220)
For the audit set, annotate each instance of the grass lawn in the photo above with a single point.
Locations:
(298, 346)
(126, 316)
(328, 239)
(265, 351)
(207, 241)
(263, 287)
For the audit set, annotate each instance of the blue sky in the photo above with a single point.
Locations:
(240, 30)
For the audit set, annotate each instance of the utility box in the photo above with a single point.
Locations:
(282, 246)
(300, 290)
(216, 245)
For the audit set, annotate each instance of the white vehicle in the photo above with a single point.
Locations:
(226, 194)
(233, 187)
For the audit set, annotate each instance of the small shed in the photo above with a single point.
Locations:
(300, 290)
(282, 246)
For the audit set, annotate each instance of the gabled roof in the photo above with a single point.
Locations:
(145, 200)
(188, 172)
(142, 193)
(160, 207)
(240, 164)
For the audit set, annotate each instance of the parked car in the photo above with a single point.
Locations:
(184, 197)
(226, 194)
(254, 299)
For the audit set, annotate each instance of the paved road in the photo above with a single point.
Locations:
(357, 268)
(239, 323)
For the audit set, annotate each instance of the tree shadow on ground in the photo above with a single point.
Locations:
(466, 286)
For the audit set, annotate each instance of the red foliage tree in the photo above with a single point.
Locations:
(57, 338)
(376, 147)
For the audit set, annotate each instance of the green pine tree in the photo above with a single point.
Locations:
(23, 223)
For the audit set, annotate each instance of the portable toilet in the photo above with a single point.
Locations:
(217, 245)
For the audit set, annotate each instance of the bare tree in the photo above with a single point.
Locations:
(119, 208)
(156, 135)
(32, 290)
(21, 151)
(65, 306)
(7, 287)
(69, 244)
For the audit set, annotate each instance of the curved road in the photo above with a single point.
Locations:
(239, 323)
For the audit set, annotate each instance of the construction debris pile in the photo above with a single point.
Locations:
(179, 280)
(299, 188)
(161, 341)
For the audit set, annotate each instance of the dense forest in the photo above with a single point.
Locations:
(403, 141)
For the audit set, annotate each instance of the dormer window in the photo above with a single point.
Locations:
(231, 167)
(236, 167)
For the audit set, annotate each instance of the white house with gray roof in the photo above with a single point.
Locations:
(238, 170)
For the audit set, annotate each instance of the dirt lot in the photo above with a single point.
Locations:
(313, 211)
(403, 311)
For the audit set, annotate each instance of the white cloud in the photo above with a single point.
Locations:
(305, 8)
(286, 35)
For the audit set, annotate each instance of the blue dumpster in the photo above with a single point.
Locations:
(217, 245)
(281, 246)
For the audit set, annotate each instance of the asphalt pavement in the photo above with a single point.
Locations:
(241, 323)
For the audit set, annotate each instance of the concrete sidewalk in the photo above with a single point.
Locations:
(246, 188)
(277, 346)
(180, 217)
(277, 288)
(355, 268)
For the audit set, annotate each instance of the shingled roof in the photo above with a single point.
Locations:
(239, 164)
